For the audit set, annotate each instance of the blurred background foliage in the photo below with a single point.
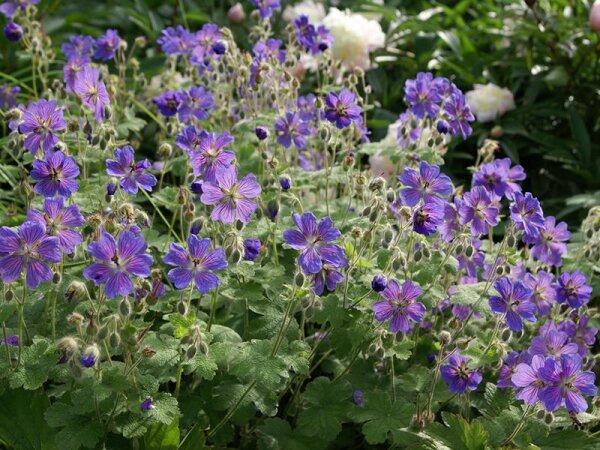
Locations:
(542, 50)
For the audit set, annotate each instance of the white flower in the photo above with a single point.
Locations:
(488, 101)
(354, 37)
(309, 8)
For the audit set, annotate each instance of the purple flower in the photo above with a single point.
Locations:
(357, 398)
(580, 333)
(305, 32)
(91, 91)
(285, 183)
(459, 115)
(88, 360)
(59, 221)
(552, 343)
(379, 283)
(204, 52)
(251, 249)
(291, 129)
(527, 379)
(498, 177)
(116, 262)
(56, 174)
(573, 289)
(544, 293)
(79, 47)
(341, 109)
(10, 7)
(8, 96)
(314, 242)
(232, 198)
(266, 7)
(426, 184)
(176, 41)
(451, 226)
(328, 277)
(400, 306)
(307, 107)
(31, 248)
(13, 32)
(131, 174)
(422, 94)
(207, 150)
(40, 121)
(262, 133)
(527, 215)
(428, 217)
(168, 102)
(550, 246)
(509, 367)
(514, 302)
(476, 208)
(147, 405)
(271, 48)
(197, 263)
(565, 384)
(106, 45)
(70, 71)
(458, 375)
(196, 103)
(12, 340)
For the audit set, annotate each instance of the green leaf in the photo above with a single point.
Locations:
(278, 434)
(459, 434)
(22, 424)
(327, 405)
(381, 416)
(37, 361)
(471, 295)
(162, 436)
(568, 440)
(77, 431)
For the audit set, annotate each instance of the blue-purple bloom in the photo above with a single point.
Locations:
(147, 405)
(526, 378)
(29, 248)
(423, 95)
(232, 198)
(79, 47)
(8, 96)
(459, 115)
(476, 208)
(379, 283)
(341, 109)
(514, 302)
(41, 120)
(91, 91)
(59, 221)
(328, 277)
(550, 246)
(10, 7)
(458, 375)
(426, 184)
(573, 289)
(428, 217)
(262, 133)
(552, 343)
(526, 213)
(12, 340)
(251, 249)
(131, 174)
(176, 41)
(55, 174)
(285, 183)
(499, 178)
(507, 370)
(195, 103)
(565, 383)
(168, 102)
(13, 32)
(207, 150)
(88, 360)
(197, 263)
(291, 129)
(544, 293)
(400, 306)
(106, 45)
(314, 240)
(116, 262)
(266, 7)
(579, 332)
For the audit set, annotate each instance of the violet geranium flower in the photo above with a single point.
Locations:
(91, 91)
(55, 174)
(573, 289)
(527, 215)
(399, 304)
(459, 115)
(341, 109)
(514, 301)
(117, 261)
(423, 95)
(59, 221)
(527, 379)
(197, 264)
(131, 174)
(550, 246)
(476, 208)
(230, 196)
(314, 240)
(41, 120)
(426, 184)
(458, 375)
(291, 129)
(544, 293)
(565, 384)
(266, 7)
(31, 248)
(106, 45)
(195, 103)
(428, 217)
(207, 150)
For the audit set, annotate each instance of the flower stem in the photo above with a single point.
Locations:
(282, 328)
(518, 427)
(169, 226)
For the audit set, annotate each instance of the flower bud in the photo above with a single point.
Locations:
(595, 17)
(469, 251)
(445, 337)
(236, 14)
(418, 255)
(349, 161)
(299, 279)
(285, 182)
(75, 319)
(114, 340)
(191, 352)
(272, 209)
(379, 283)
(125, 308)
(182, 308)
(377, 184)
